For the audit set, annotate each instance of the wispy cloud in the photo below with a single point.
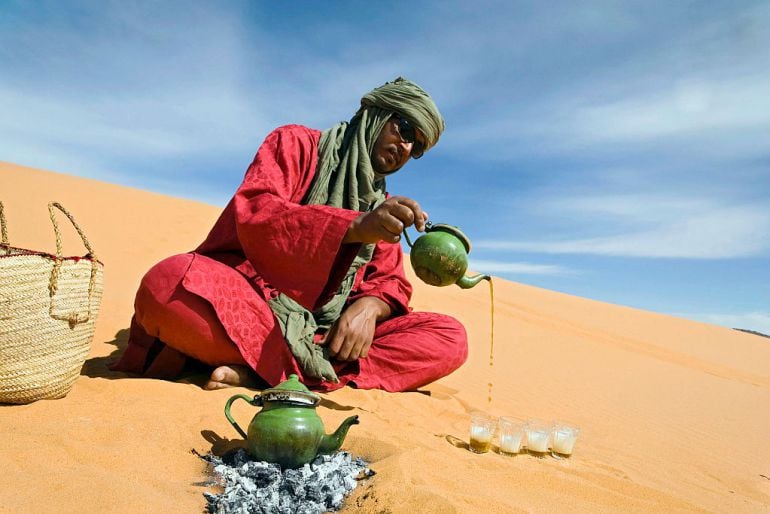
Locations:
(710, 118)
(714, 232)
(124, 85)
(518, 268)
(77, 125)
(758, 321)
(712, 100)
(688, 108)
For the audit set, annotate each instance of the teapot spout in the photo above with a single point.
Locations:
(467, 282)
(332, 442)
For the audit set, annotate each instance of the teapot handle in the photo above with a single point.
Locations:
(428, 225)
(252, 401)
(406, 236)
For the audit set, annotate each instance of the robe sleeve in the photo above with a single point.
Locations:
(383, 277)
(297, 249)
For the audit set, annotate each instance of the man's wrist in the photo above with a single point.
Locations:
(351, 235)
(378, 307)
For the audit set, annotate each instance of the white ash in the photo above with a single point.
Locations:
(260, 487)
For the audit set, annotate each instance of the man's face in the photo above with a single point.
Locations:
(390, 151)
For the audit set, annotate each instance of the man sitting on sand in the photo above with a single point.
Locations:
(302, 272)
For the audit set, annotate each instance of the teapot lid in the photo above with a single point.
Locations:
(291, 391)
(443, 227)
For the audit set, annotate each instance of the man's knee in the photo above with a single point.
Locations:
(451, 339)
(457, 340)
(156, 289)
(162, 279)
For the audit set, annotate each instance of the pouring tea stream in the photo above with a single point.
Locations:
(440, 258)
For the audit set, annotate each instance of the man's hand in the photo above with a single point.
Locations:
(387, 221)
(351, 336)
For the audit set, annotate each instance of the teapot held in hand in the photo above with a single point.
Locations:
(440, 256)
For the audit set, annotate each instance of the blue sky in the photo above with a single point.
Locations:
(618, 151)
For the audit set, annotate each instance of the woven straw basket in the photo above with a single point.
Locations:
(48, 309)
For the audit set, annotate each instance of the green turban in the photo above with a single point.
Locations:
(344, 176)
(407, 98)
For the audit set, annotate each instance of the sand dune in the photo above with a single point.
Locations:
(675, 414)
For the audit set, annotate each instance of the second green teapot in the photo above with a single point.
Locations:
(288, 430)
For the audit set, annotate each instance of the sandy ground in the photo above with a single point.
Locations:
(675, 414)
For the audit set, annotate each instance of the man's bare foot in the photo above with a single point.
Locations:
(231, 376)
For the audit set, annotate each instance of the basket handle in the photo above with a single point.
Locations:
(51, 206)
(73, 318)
(3, 229)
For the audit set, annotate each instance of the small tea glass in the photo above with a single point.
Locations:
(563, 438)
(538, 438)
(511, 432)
(482, 431)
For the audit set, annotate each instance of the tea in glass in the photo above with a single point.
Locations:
(511, 433)
(538, 438)
(563, 439)
(482, 431)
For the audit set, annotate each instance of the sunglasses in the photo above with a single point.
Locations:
(408, 134)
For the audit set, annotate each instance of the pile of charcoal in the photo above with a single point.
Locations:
(260, 487)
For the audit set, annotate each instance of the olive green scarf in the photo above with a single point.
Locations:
(345, 179)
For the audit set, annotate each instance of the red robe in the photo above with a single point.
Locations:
(211, 304)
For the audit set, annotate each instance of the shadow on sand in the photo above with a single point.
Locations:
(96, 367)
(457, 442)
(221, 445)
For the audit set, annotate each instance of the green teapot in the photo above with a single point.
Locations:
(287, 430)
(440, 256)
